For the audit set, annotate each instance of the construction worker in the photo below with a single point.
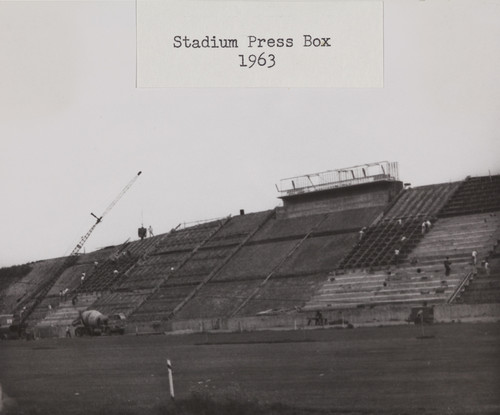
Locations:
(474, 257)
(428, 225)
(361, 234)
(447, 266)
(396, 256)
(487, 266)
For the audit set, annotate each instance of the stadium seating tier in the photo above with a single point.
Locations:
(266, 262)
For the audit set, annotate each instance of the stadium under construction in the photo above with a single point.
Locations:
(354, 246)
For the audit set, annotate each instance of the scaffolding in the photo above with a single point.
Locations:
(332, 179)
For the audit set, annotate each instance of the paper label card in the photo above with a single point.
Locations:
(225, 43)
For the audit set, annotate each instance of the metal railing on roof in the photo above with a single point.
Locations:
(331, 179)
(185, 225)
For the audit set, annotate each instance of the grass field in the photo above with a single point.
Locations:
(386, 370)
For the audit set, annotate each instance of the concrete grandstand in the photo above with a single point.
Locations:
(354, 243)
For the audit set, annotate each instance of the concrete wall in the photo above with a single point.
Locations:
(358, 317)
(466, 312)
(333, 200)
(381, 315)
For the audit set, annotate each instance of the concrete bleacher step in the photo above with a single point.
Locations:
(479, 193)
(61, 317)
(464, 236)
(458, 261)
(120, 302)
(476, 220)
(372, 288)
(442, 253)
(394, 289)
(466, 244)
(407, 285)
(403, 298)
(429, 278)
(66, 311)
(371, 297)
(417, 301)
(458, 251)
(345, 278)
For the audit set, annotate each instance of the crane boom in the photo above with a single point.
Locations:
(117, 198)
(84, 238)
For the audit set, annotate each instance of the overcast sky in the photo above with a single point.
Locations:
(74, 130)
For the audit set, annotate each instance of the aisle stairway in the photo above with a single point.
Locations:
(484, 287)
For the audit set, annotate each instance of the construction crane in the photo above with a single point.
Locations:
(26, 307)
(84, 238)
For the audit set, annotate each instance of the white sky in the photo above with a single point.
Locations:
(74, 129)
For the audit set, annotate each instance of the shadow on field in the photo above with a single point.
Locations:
(233, 401)
(221, 343)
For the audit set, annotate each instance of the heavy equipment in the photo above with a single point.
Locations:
(6, 321)
(94, 323)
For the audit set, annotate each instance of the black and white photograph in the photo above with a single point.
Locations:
(256, 207)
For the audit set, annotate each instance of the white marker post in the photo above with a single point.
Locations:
(170, 379)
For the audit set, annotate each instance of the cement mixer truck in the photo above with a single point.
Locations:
(94, 323)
